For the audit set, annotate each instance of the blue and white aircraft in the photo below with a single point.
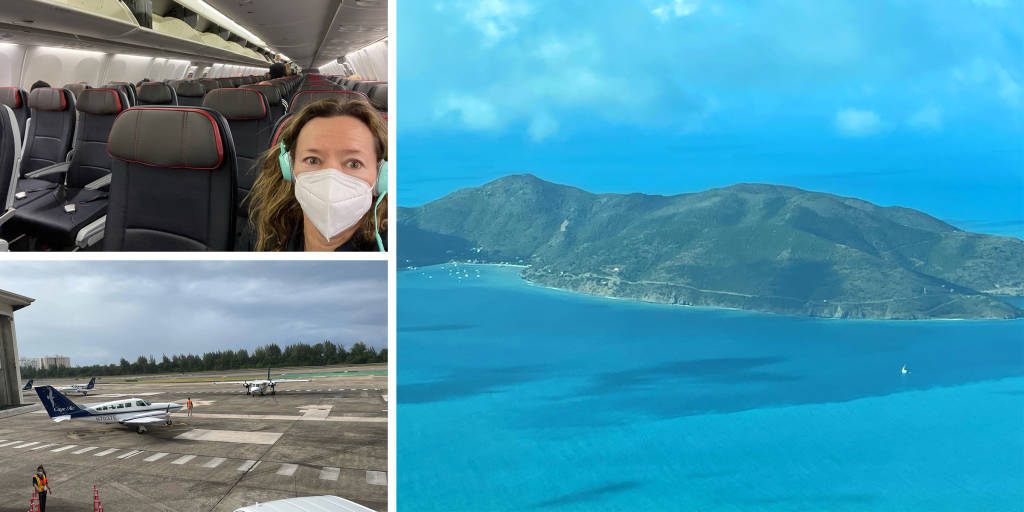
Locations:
(79, 388)
(126, 411)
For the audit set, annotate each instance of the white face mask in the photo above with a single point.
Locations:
(333, 201)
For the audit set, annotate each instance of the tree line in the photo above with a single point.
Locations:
(299, 354)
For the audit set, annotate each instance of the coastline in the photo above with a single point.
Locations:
(697, 307)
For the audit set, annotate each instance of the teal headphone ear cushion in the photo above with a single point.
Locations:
(382, 178)
(285, 160)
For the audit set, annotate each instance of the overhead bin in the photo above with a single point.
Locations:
(103, 22)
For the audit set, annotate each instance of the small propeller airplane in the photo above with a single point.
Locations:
(79, 388)
(134, 412)
(28, 385)
(252, 386)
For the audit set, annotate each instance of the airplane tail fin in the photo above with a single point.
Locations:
(28, 385)
(55, 403)
(92, 383)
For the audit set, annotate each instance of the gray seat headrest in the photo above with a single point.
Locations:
(48, 99)
(176, 137)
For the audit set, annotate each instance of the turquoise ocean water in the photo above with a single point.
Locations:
(518, 397)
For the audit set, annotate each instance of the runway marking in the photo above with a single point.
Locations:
(62, 448)
(376, 477)
(287, 469)
(105, 452)
(8, 444)
(330, 473)
(230, 436)
(214, 462)
(248, 465)
(84, 450)
(315, 411)
(40, 447)
(129, 454)
(26, 445)
(183, 459)
(355, 419)
(153, 458)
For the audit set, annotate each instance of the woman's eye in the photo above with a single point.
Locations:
(311, 160)
(354, 164)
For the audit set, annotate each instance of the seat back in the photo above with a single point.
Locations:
(379, 97)
(248, 115)
(190, 93)
(304, 98)
(18, 101)
(51, 131)
(76, 88)
(157, 93)
(10, 149)
(129, 90)
(225, 83)
(209, 84)
(273, 95)
(97, 110)
(173, 181)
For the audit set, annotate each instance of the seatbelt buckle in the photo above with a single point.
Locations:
(20, 195)
(69, 208)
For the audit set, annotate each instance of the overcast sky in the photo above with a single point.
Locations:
(100, 311)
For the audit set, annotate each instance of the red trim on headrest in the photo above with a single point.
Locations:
(294, 98)
(280, 128)
(17, 95)
(262, 104)
(216, 134)
(63, 99)
(117, 96)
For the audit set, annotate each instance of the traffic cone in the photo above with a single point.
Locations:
(96, 505)
(33, 502)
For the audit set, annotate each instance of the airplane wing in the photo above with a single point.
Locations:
(293, 380)
(236, 382)
(145, 417)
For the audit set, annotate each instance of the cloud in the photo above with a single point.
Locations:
(472, 112)
(677, 8)
(851, 122)
(100, 311)
(542, 126)
(927, 118)
(495, 19)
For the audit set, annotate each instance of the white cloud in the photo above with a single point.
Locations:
(472, 112)
(496, 19)
(677, 8)
(927, 118)
(542, 126)
(995, 77)
(851, 122)
(1007, 87)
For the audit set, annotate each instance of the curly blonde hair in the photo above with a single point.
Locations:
(274, 213)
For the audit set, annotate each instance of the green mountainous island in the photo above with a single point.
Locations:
(750, 246)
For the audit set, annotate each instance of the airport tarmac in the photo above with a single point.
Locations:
(328, 436)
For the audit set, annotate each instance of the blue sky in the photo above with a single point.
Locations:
(919, 104)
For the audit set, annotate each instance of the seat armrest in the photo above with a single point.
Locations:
(99, 183)
(91, 233)
(6, 216)
(46, 171)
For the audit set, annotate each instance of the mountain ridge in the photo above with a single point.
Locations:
(752, 246)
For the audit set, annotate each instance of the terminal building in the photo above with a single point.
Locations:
(48, 362)
(10, 374)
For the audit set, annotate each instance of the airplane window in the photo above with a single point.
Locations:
(120, 406)
(140, 403)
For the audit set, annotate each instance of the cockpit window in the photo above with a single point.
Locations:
(142, 403)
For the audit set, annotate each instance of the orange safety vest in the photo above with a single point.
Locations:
(190, 404)
(41, 483)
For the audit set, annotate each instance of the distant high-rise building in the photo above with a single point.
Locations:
(29, 362)
(48, 362)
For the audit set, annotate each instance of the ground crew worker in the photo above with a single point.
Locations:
(189, 407)
(41, 484)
